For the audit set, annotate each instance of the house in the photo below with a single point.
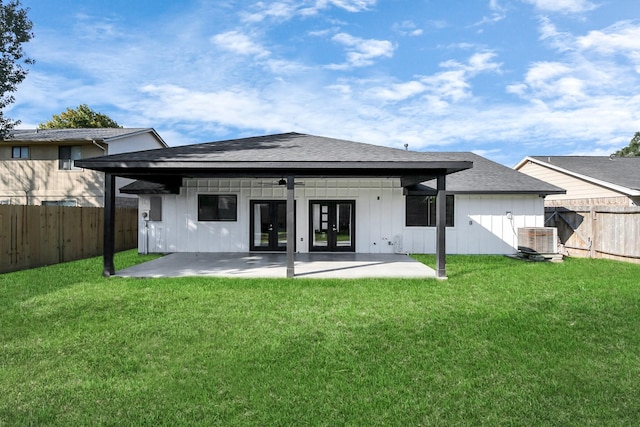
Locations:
(599, 216)
(589, 180)
(39, 165)
(306, 193)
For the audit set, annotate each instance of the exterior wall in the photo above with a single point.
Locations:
(37, 179)
(481, 222)
(484, 224)
(579, 192)
(143, 141)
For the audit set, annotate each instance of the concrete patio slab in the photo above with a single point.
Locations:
(273, 265)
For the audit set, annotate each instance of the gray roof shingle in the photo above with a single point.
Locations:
(488, 177)
(485, 176)
(287, 147)
(622, 171)
(61, 135)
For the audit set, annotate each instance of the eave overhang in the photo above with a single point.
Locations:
(424, 190)
(410, 173)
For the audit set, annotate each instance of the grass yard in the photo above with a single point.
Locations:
(502, 342)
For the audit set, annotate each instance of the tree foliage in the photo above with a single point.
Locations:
(15, 30)
(80, 117)
(631, 150)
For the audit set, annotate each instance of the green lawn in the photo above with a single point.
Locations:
(502, 342)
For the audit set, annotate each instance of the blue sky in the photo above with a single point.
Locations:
(501, 78)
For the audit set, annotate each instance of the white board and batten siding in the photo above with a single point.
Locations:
(482, 222)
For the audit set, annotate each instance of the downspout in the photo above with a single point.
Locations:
(99, 146)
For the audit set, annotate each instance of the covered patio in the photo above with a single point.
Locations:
(274, 265)
(289, 157)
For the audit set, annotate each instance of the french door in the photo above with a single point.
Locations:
(268, 228)
(332, 225)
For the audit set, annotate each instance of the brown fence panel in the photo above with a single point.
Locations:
(126, 229)
(33, 236)
(598, 232)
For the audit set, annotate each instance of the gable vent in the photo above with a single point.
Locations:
(538, 240)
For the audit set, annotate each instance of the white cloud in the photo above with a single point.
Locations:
(407, 28)
(285, 10)
(563, 6)
(361, 52)
(442, 88)
(623, 37)
(478, 62)
(588, 68)
(239, 43)
(348, 5)
(275, 10)
(398, 91)
(448, 86)
(498, 13)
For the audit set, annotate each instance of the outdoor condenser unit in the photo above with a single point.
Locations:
(538, 240)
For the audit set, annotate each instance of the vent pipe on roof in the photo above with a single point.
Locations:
(406, 147)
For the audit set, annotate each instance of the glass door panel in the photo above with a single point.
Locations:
(343, 225)
(281, 225)
(261, 225)
(268, 225)
(332, 226)
(319, 225)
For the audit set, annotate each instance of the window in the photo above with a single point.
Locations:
(155, 213)
(20, 153)
(421, 211)
(217, 207)
(67, 156)
(71, 203)
(4, 202)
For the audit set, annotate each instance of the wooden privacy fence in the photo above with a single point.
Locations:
(33, 236)
(598, 232)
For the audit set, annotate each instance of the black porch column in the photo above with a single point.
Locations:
(291, 225)
(441, 228)
(109, 224)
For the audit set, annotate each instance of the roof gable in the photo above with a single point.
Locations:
(621, 174)
(71, 135)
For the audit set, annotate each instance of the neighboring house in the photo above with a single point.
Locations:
(38, 165)
(589, 180)
(231, 196)
(599, 216)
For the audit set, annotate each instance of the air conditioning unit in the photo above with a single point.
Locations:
(538, 240)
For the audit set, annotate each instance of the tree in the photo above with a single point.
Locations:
(631, 150)
(15, 30)
(81, 117)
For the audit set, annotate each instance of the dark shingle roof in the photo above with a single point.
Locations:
(287, 147)
(485, 176)
(622, 171)
(282, 154)
(61, 135)
(488, 177)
